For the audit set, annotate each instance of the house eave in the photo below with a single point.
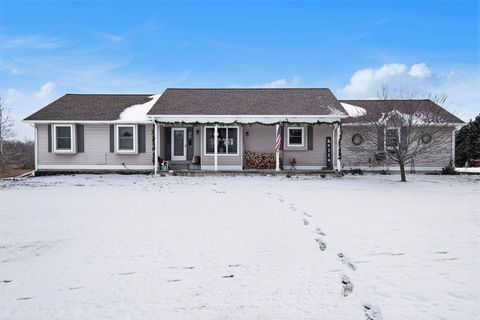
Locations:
(246, 119)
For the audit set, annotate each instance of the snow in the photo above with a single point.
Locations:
(353, 111)
(138, 112)
(468, 170)
(145, 247)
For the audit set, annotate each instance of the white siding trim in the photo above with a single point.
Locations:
(93, 167)
(304, 168)
(392, 168)
(222, 167)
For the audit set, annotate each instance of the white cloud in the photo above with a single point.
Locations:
(364, 80)
(282, 83)
(22, 104)
(419, 70)
(460, 85)
(29, 41)
(45, 92)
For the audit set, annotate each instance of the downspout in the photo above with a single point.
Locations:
(35, 148)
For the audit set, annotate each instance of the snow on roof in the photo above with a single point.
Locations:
(353, 111)
(138, 112)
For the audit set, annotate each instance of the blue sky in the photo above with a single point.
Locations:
(49, 48)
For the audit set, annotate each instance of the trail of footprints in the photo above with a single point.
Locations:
(371, 312)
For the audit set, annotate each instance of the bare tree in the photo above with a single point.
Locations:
(400, 132)
(6, 131)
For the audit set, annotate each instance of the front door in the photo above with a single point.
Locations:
(179, 144)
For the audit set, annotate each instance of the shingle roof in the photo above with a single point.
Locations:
(88, 107)
(315, 101)
(376, 108)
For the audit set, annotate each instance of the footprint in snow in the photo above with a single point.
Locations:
(320, 232)
(346, 261)
(305, 222)
(372, 312)
(189, 268)
(321, 244)
(347, 286)
(307, 214)
(229, 276)
(74, 288)
(174, 280)
(25, 298)
(233, 265)
(126, 273)
(7, 281)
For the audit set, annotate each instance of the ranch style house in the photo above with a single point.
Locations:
(221, 130)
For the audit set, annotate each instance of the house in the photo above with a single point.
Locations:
(303, 129)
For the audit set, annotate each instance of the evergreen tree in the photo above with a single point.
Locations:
(467, 142)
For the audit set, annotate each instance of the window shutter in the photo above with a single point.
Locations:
(310, 138)
(190, 138)
(112, 138)
(141, 138)
(168, 142)
(49, 133)
(380, 139)
(282, 134)
(80, 138)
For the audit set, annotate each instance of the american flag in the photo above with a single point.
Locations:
(278, 140)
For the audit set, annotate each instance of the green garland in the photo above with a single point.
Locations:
(197, 123)
(247, 124)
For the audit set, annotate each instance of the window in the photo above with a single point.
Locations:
(295, 136)
(391, 138)
(126, 138)
(227, 140)
(63, 137)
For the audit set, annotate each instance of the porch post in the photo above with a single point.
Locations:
(155, 141)
(339, 164)
(215, 146)
(277, 152)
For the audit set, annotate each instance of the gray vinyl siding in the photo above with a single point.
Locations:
(97, 149)
(262, 139)
(315, 157)
(353, 156)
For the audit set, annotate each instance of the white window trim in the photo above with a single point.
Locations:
(221, 154)
(288, 137)
(385, 138)
(72, 139)
(117, 137)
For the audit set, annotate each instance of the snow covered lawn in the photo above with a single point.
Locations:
(143, 247)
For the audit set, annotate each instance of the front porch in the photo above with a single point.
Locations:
(303, 148)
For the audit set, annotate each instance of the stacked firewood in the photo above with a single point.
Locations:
(259, 160)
